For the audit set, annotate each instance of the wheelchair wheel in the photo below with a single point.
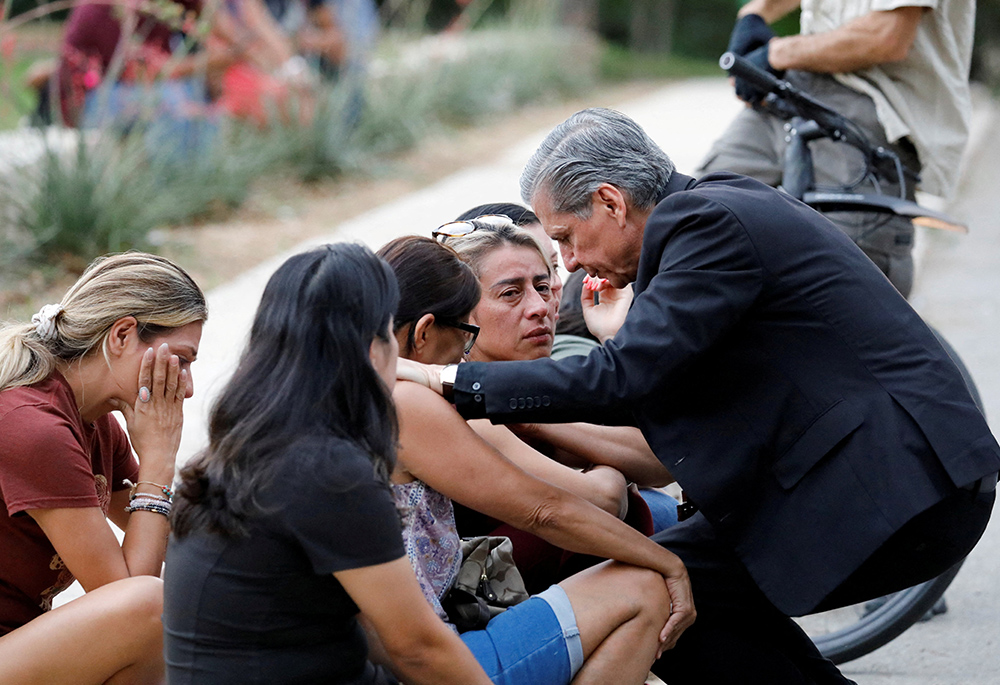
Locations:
(850, 632)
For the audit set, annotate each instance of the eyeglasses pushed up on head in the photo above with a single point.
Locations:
(456, 229)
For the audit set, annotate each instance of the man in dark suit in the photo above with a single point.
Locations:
(828, 441)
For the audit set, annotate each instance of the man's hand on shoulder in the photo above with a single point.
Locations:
(427, 375)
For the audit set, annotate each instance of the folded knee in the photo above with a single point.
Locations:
(647, 591)
(139, 601)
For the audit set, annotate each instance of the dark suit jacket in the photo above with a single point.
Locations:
(792, 392)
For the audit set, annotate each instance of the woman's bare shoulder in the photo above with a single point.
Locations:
(415, 401)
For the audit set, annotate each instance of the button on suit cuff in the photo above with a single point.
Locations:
(467, 393)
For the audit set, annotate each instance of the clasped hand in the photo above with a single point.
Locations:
(427, 375)
(682, 611)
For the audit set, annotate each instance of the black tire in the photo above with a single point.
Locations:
(879, 622)
(878, 626)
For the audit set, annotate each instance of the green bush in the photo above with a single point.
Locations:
(986, 49)
(21, 6)
(396, 113)
(501, 75)
(702, 29)
(319, 148)
(620, 64)
(107, 194)
(85, 201)
(697, 29)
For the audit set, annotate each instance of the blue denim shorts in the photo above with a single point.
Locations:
(536, 641)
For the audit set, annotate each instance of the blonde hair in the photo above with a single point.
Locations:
(489, 236)
(158, 293)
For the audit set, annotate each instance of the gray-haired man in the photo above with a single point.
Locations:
(828, 440)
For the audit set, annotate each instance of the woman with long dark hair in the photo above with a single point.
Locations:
(605, 624)
(285, 526)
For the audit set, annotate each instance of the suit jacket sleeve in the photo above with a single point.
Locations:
(698, 275)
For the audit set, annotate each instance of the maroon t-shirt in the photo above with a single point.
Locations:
(49, 459)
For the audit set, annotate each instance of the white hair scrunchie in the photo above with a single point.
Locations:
(45, 321)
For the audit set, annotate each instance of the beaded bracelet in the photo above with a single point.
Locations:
(160, 501)
(146, 495)
(167, 492)
(149, 504)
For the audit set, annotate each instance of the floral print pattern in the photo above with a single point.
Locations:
(430, 537)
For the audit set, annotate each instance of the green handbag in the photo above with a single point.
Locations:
(487, 583)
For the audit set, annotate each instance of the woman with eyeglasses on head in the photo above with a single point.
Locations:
(122, 338)
(522, 217)
(606, 624)
(285, 528)
(580, 445)
(605, 323)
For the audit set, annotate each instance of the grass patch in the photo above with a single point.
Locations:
(105, 195)
(621, 64)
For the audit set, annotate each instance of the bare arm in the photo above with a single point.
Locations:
(90, 549)
(81, 536)
(227, 41)
(219, 56)
(603, 487)
(438, 447)
(875, 38)
(271, 47)
(621, 447)
(420, 647)
(116, 510)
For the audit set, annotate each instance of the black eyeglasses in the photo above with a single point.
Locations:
(456, 229)
(471, 329)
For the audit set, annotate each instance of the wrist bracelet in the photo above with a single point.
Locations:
(145, 495)
(148, 501)
(167, 492)
(144, 504)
